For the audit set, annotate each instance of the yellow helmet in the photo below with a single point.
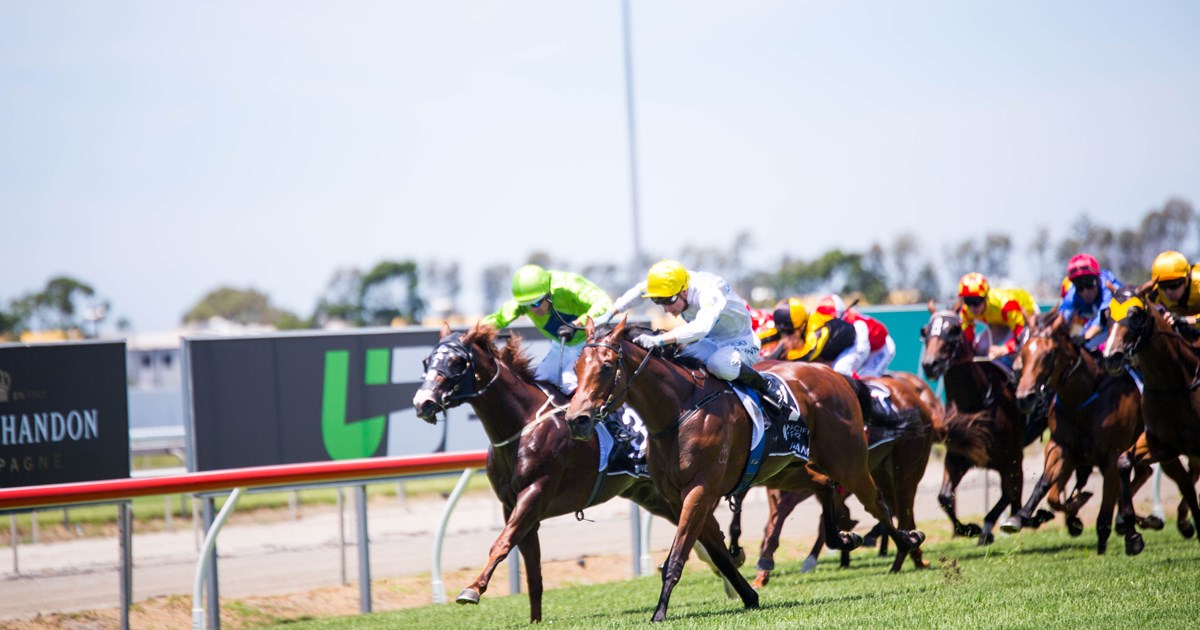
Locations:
(1170, 265)
(790, 315)
(665, 278)
(973, 285)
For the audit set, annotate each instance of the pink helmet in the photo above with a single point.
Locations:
(1082, 265)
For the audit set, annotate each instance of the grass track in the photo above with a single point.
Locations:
(1042, 579)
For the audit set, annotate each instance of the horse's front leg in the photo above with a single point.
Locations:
(1172, 467)
(697, 508)
(955, 468)
(518, 522)
(1138, 455)
(1010, 495)
(1053, 473)
(531, 552)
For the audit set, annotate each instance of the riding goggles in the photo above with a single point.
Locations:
(972, 302)
(1085, 282)
(1172, 284)
(665, 301)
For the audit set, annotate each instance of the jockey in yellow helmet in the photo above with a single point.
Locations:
(1177, 287)
(1002, 310)
(822, 337)
(716, 328)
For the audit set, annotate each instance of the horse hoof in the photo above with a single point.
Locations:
(1011, 525)
(468, 596)
(918, 537)
(1151, 522)
(986, 539)
(1101, 547)
(760, 580)
(740, 557)
(810, 565)
(853, 541)
(1074, 526)
(1042, 516)
(970, 530)
(1187, 530)
(1134, 544)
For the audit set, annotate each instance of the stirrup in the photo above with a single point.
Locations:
(780, 408)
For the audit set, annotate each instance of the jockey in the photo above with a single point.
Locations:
(1177, 287)
(882, 346)
(1089, 293)
(827, 339)
(1003, 310)
(559, 304)
(716, 329)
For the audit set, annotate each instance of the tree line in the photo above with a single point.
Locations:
(901, 271)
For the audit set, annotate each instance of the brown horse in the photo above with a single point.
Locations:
(983, 388)
(700, 439)
(535, 468)
(1094, 418)
(1170, 368)
(897, 466)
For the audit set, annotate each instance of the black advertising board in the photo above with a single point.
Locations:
(64, 413)
(306, 397)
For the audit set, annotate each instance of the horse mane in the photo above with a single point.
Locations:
(670, 352)
(513, 353)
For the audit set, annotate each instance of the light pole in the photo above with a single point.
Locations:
(638, 257)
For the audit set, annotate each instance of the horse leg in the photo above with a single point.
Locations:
(1053, 472)
(1138, 455)
(863, 486)
(906, 484)
(518, 522)
(810, 563)
(1141, 474)
(1010, 495)
(695, 520)
(735, 529)
(1172, 468)
(834, 537)
(702, 553)
(780, 505)
(1071, 505)
(531, 551)
(955, 468)
(1108, 499)
(1186, 528)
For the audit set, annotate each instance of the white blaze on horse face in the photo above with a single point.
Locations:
(1108, 343)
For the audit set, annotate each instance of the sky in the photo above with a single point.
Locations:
(159, 150)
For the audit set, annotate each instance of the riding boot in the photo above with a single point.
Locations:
(751, 378)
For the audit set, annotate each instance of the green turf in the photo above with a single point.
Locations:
(1042, 579)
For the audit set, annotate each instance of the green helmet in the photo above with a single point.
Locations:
(529, 284)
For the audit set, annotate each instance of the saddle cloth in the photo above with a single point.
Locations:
(782, 438)
(622, 438)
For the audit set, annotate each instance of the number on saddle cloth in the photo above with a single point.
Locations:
(628, 456)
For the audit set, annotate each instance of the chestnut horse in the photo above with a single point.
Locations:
(700, 439)
(535, 468)
(1170, 368)
(897, 466)
(976, 387)
(1094, 418)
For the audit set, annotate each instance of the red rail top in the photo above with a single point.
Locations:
(260, 476)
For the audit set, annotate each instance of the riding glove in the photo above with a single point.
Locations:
(648, 342)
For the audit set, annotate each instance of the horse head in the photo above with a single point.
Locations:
(455, 371)
(1038, 364)
(603, 377)
(1134, 320)
(943, 338)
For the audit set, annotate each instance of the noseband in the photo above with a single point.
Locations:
(465, 380)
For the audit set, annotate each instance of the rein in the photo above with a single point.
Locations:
(611, 402)
(547, 410)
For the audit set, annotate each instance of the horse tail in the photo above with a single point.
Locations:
(903, 423)
(965, 434)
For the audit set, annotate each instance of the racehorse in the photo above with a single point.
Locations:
(700, 442)
(897, 466)
(1170, 368)
(1094, 418)
(535, 468)
(976, 387)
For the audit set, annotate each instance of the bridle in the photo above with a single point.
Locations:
(947, 327)
(1043, 388)
(615, 400)
(464, 380)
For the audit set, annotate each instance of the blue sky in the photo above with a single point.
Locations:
(159, 150)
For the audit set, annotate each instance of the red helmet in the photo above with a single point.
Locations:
(1082, 265)
(973, 285)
